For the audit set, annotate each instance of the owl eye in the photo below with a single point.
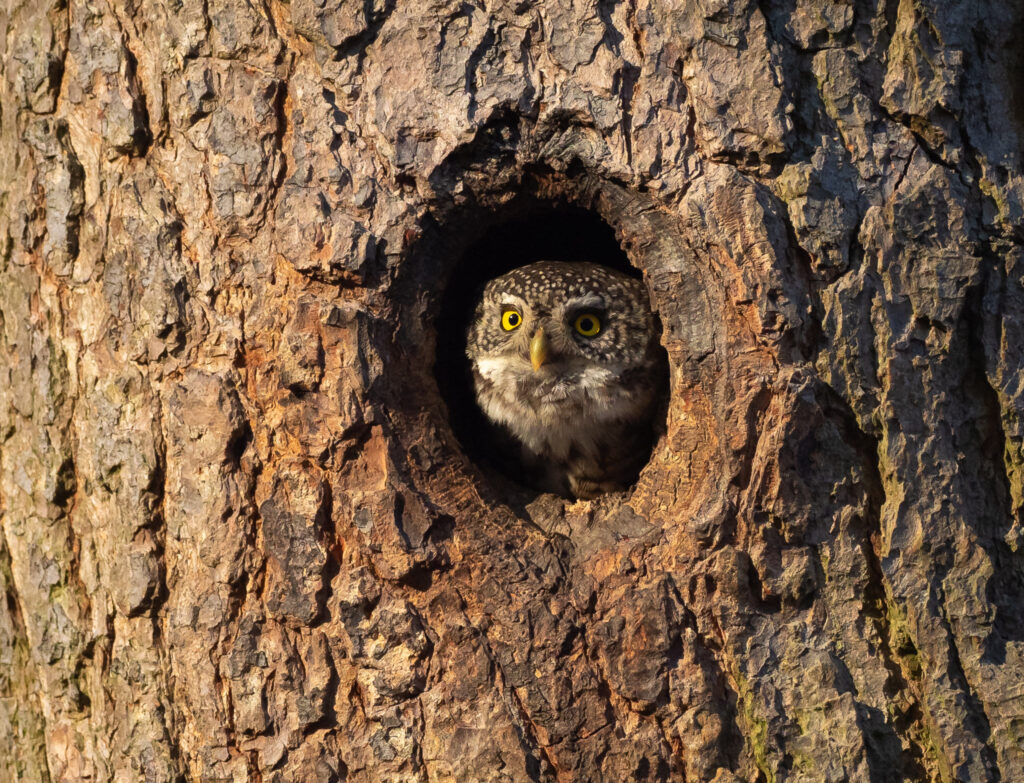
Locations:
(510, 319)
(587, 324)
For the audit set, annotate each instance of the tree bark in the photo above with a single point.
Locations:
(241, 537)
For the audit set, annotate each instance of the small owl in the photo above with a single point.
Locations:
(565, 359)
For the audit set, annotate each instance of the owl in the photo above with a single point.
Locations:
(565, 360)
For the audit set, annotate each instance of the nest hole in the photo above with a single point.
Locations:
(538, 232)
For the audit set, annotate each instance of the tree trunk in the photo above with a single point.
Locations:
(247, 531)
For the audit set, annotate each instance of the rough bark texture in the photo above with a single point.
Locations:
(240, 540)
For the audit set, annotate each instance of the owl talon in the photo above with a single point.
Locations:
(588, 489)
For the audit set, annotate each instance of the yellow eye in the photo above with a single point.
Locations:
(510, 319)
(587, 324)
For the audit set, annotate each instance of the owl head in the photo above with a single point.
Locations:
(557, 348)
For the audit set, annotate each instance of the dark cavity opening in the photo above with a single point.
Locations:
(539, 232)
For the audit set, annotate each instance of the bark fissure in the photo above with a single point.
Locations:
(248, 532)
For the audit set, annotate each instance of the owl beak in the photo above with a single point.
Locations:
(539, 349)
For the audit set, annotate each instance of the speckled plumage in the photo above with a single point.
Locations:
(583, 418)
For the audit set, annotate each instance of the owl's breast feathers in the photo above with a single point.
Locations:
(584, 425)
